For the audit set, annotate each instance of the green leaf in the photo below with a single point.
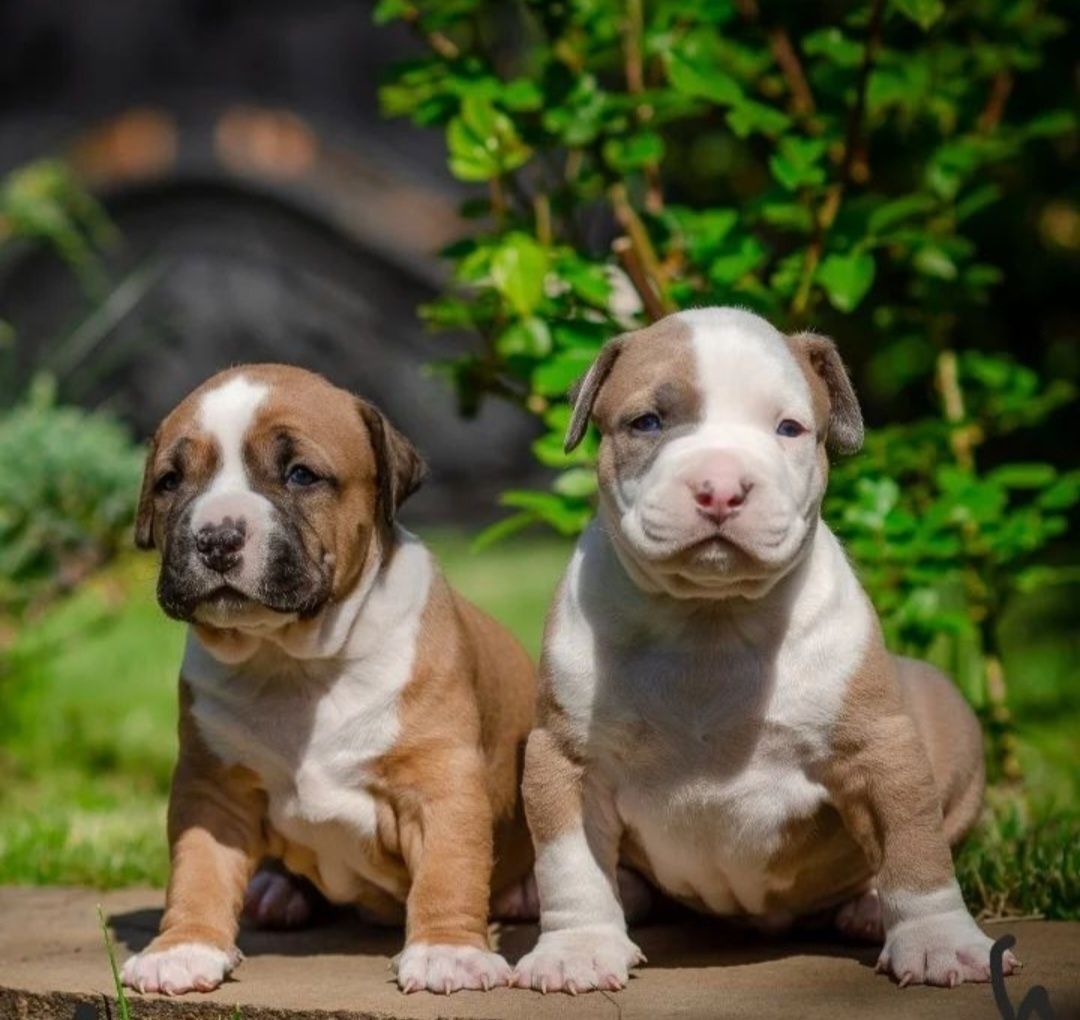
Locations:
(747, 117)
(899, 210)
(501, 529)
(555, 377)
(518, 268)
(925, 13)
(1023, 476)
(694, 69)
(846, 279)
(483, 142)
(578, 483)
(390, 10)
(831, 43)
(624, 154)
(529, 337)
(798, 162)
(933, 261)
(740, 260)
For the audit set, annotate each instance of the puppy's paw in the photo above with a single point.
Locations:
(446, 969)
(274, 900)
(579, 960)
(940, 949)
(187, 967)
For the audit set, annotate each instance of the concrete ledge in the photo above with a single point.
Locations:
(53, 967)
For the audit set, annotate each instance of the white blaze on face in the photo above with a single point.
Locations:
(226, 413)
(749, 382)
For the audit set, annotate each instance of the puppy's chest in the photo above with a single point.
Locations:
(313, 750)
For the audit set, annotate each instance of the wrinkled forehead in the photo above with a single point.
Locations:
(232, 410)
(723, 362)
(745, 365)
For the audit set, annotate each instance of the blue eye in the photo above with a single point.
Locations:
(647, 423)
(301, 475)
(789, 428)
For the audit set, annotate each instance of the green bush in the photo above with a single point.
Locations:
(68, 480)
(821, 164)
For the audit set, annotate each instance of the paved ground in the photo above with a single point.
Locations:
(53, 967)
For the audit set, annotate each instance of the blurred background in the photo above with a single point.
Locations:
(188, 184)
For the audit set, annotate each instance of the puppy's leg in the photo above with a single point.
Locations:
(445, 829)
(951, 736)
(583, 942)
(882, 784)
(215, 840)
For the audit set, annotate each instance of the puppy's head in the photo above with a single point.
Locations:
(264, 490)
(713, 463)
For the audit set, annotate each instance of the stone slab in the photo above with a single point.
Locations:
(53, 967)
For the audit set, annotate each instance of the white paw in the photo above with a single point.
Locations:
(188, 967)
(579, 960)
(939, 949)
(447, 969)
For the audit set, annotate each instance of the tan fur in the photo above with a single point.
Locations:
(882, 784)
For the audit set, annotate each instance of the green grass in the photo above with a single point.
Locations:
(87, 730)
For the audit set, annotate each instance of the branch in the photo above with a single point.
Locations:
(631, 263)
(635, 84)
(644, 253)
(830, 205)
(1000, 87)
(787, 59)
(440, 43)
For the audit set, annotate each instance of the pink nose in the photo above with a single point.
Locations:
(719, 488)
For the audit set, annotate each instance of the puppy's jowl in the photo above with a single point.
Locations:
(342, 710)
(717, 708)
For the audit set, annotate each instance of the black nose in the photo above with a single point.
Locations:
(219, 545)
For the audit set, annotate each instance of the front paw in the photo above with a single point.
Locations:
(939, 949)
(579, 960)
(186, 967)
(446, 969)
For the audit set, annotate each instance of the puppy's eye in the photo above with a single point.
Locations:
(789, 428)
(302, 475)
(168, 482)
(647, 423)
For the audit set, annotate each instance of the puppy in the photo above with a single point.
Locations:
(342, 709)
(717, 708)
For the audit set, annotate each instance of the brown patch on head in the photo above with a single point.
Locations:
(649, 371)
(836, 408)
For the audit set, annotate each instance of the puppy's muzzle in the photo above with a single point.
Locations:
(219, 546)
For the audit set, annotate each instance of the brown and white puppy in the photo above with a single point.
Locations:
(342, 710)
(717, 708)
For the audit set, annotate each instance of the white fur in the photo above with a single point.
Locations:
(310, 726)
(187, 967)
(226, 414)
(446, 968)
(575, 890)
(930, 938)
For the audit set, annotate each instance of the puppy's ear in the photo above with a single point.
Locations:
(144, 513)
(845, 423)
(399, 467)
(584, 392)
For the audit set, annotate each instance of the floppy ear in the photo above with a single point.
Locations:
(845, 433)
(144, 513)
(584, 392)
(399, 467)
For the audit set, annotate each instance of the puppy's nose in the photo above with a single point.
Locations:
(219, 545)
(720, 490)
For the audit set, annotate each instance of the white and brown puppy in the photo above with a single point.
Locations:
(716, 707)
(341, 709)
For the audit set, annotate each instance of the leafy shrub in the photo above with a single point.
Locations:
(68, 480)
(821, 164)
